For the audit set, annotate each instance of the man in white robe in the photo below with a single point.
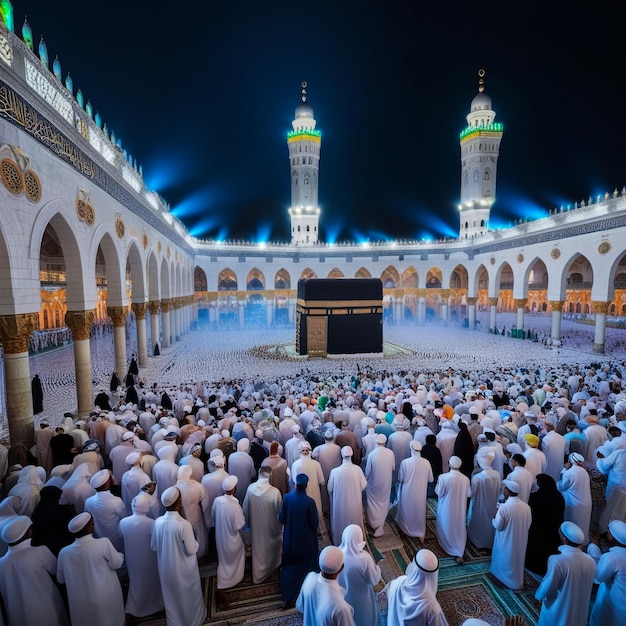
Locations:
(306, 465)
(87, 567)
(453, 489)
(176, 547)
(133, 480)
(484, 504)
(613, 467)
(321, 599)
(107, 510)
(553, 446)
(261, 507)
(413, 477)
(609, 607)
(30, 596)
(345, 486)
(118, 455)
(378, 472)
(329, 457)
(358, 577)
(144, 592)
(399, 443)
(521, 476)
(241, 465)
(536, 461)
(195, 506)
(575, 486)
(412, 598)
(566, 588)
(229, 521)
(165, 471)
(511, 523)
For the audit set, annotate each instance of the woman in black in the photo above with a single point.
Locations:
(50, 520)
(464, 449)
(432, 454)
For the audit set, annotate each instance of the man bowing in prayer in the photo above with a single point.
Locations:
(176, 548)
(229, 521)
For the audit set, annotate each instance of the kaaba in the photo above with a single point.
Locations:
(339, 316)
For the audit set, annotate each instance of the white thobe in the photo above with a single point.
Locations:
(87, 567)
(400, 444)
(525, 481)
(30, 596)
(306, 465)
(197, 466)
(453, 490)
(596, 436)
(107, 511)
(212, 484)
(483, 507)
(195, 506)
(132, 482)
(261, 507)
(566, 588)
(445, 442)
(164, 474)
(144, 592)
(358, 577)
(241, 465)
(413, 477)
(609, 607)
(553, 446)
(118, 459)
(345, 486)
(378, 472)
(176, 547)
(536, 461)
(614, 467)
(420, 434)
(496, 448)
(328, 456)
(229, 520)
(292, 450)
(77, 489)
(512, 522)
(576, 489)
(322, 602)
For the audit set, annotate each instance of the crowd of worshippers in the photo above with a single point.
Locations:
(110, 517)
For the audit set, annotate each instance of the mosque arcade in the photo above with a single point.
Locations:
(83, 241)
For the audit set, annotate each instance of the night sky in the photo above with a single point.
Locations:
(202, 94)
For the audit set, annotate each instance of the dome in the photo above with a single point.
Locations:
(304, 110)
(481, 102)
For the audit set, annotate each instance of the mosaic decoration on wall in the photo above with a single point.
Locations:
(84, 209)
(120, 229)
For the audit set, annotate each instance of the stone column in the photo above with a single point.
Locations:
(139, 308)
(172, 325)
(557, 311)
(155, 333)
(520, 305)
(165, 322)
(471, 311)
(445, 294)
(269, 308)
(421, 306)
(600, 309)
(493, 309)
(15, 331)
(79, 322)
(118, 316)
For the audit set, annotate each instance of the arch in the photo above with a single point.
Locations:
(227, 280)
(433, 278)
(255, 281)
(335, 273)
(362, 273)
(308, 273)
(459, 278)
(199, 279)
(390, 277)
(152, 275)
(409, 278)
(536, 276)
(6, 284)
(108, 270)
(166, 280)
(134, 265)
(282, 280)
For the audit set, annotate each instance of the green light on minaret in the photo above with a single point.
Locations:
(6, 11)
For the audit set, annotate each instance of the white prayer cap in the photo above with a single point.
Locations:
(243, 445)
(184, 472)
(572, 532)
(217, 462)
(328, 434)
(79, 522)
(304, 445)
(141, 503)
(225, 433)
(416, 445)
(128, 436)
(331, 559)
(427, 560)
(346, 451)
(287, 412)
(617, 528)
(511, 485)
(295, 428)
(229, 483)
(132, 458)
(91, 446)
(100, 478)
(381, 438)
(455, 462)
(169, 496)
(215, 452)
(576, 457)
(16, 528)
(166, 453)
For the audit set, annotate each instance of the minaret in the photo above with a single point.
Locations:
(304, 143)
(480, 147)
